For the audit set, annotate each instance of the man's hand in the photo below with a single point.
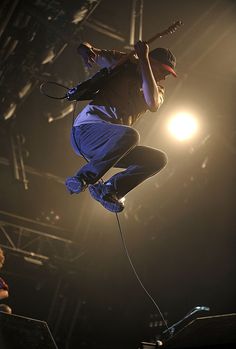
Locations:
(142, 50)
(88, 54)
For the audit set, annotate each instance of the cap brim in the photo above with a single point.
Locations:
(169, 69)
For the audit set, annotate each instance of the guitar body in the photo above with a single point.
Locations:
(88, 89)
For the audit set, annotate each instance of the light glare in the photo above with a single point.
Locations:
(182, 126)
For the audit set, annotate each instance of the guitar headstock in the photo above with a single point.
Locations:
(172, 28)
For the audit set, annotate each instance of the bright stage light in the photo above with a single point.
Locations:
(182, 126)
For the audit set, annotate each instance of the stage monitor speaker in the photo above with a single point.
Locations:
(18, 332)
(206, 332)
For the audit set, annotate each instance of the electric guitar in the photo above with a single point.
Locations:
(88, 89)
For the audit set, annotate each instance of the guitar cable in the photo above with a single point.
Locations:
(41, 88)
(116, 214)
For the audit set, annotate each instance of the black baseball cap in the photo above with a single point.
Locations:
(166, 58)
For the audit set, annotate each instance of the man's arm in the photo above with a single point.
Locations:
(3, 294)
(153, 94)
(103, 58)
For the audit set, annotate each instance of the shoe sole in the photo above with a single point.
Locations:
(74, 185)
(108, 205)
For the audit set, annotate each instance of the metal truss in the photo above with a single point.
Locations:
(30, 239)
(30, 170)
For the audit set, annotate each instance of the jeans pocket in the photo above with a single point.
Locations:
(75, 141)
(83, 138)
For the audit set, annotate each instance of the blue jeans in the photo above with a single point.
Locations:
(105, 145)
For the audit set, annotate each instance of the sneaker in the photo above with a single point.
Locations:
(106, 195)
(75, 185)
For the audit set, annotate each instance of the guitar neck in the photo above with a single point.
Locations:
(169, 30)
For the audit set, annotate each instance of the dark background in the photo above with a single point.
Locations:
(179, 226)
